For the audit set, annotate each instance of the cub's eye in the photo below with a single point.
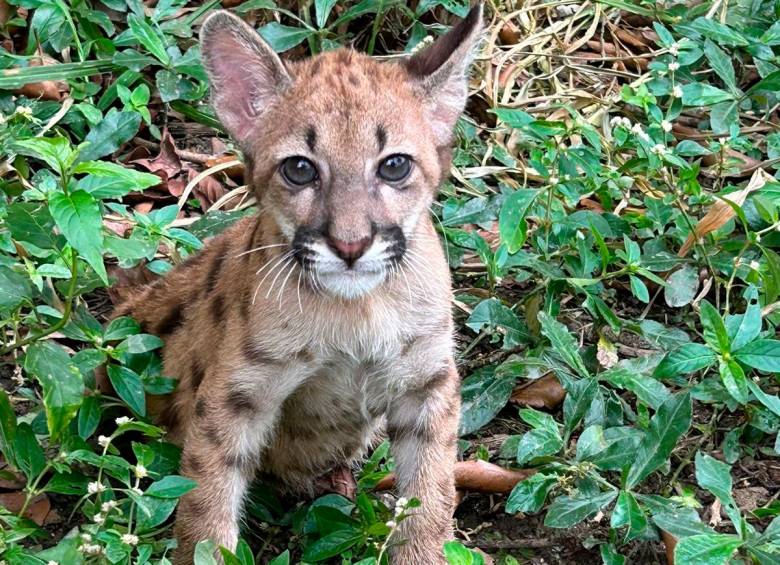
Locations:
(395, 168)
(298, 171)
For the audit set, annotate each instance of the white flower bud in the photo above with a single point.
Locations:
(130, 539)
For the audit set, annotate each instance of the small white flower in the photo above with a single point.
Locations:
(777, 227)
(756, 379)
(91, 549)
(754, 265)
(2, 119)
(390, 524)
(95, 487)
(674, 49)
(758, 237)
(426, 41)
(24, 111)
(136, 490)
(658, 149)
(674, 65)
(640, 132)
(52, 562)
(108, 506)
(580, 235)
(122, 420)
(402, 502)
(140, 471)
(130, 539)
(666, 125)
(103, 441)
(99, 518)
(553, 181)
(677, 91)
(86, 538)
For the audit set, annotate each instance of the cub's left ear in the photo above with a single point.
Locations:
(440, 73)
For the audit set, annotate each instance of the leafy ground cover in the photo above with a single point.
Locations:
(612, 227)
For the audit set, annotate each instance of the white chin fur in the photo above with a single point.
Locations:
(350, 284)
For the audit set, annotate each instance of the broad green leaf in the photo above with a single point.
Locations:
(140, 343)
(683, 284)
(153, 511)
(639, 289)
(733, 378)
(89, 416)
(128, 385)
(149, 37)
(715, 333)
(718, 32)
(283, 37)
(331, 545)
(611, 449)
(744, 328)
(458, 554)
(668, 425)
(283, 559)
(762, 354)
(62, 384)
(77, 214)
(579, 398)
(205, 553)
(544, 439)
(7, 428)
(610, 556)
(649, 390)
(483, 395)
(513, 117)
(563, 343)
(172, 486)
(567, 511)
(322, 10)
(686, 359)
(724, 115)
(512, 226)
(721, 64)
(681, 523)
(700, 94)
(106, 137)
(770, 401)
(715, 476)
(529, 495)
(56, 152)
(109, 180)
(493, 314)
(120, 328)
(29, 453)
(706, 549)
(15, 289)
(627, 512)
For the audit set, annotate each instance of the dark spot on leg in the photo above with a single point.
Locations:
(217, 308)
(311, 138)
(240, 401)
(171, 321)
(200, 408)
(353, 79)
(250, 244)
(315, 66)
(381, 137)
(191, 465)
(255, 353)
(212, 433)
(197, 373)
(214, 270)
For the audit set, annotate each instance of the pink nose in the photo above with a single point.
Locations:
(350, 251)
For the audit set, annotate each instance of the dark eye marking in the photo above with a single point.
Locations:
(381, 137)
(311, 137)
(395, 168)
(299, 171)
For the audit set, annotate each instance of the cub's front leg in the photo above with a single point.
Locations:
(423, 430)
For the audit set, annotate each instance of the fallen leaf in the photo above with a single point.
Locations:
(670, 542)
(477, 476)
(545, 392)
(37, 510)
(715, 517)
(46, 89)
(721, 212)
(167, 160)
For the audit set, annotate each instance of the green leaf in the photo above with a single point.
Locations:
(283, 559)
(700, 94)
(62, 384)
(106, 137)
(109, 180)
(770, 401)
(529, 495)
(721, 64)
(322, 10)
(54, 151)
(611, 449)
(205, 553)
(89, 416)
(579, 398)
(706, 549)
(153, 511)
(744, 328)
(29, 453)
(724, 115)
(668, 425)
(762, 354)
(458, 554)
(639, 289)
(567, 511)
(120, 328)
(513, 117)
(14, 290)
(7, 428)
(719, 32)
(331, 545)
(544, 439)
(610, 556)
(715, 476)
(149, 37)
(483, 395)
(648, 390)
(715, 333)
(686, 359)
(140, 343)
(734, 380)
(282, 37)
(563, 343)
(77, 214)
(128, 385)
(512, 226)
(494, 314)
(172, 486)
(627, 512)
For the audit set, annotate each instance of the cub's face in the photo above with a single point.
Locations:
(346, 153)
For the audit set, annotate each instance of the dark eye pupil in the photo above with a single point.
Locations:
(299, 171)
(395, 168)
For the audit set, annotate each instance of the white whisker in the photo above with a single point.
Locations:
(261, 248)
(281, 270)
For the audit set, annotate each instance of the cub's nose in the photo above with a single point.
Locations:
(349, 251)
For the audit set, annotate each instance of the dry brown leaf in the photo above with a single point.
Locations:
(166, 162)
(545, 392)
(477, 476)
(670, 542)
(721, 212)
(46, 89)
(37, 510)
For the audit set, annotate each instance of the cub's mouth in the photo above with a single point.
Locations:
(349, 268)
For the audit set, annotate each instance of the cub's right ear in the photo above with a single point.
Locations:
(246, 75)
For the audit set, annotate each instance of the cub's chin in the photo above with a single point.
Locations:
(349, 283)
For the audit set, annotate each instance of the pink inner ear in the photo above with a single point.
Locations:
(243, 82)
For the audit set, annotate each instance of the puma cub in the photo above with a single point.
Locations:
(298, 335)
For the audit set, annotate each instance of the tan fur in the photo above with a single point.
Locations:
(279, 376)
